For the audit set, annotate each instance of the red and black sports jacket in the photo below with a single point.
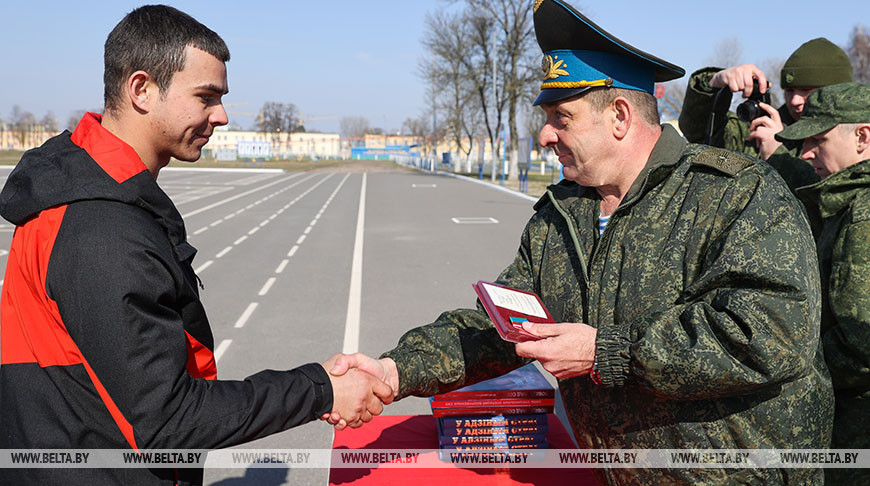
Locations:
(104, 342)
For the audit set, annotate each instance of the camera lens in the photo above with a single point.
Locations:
(748, 110)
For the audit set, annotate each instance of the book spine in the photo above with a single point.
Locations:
(493, 446)
(495, 394)
(497, 421)
(493, 439)
(500, 403)
(515, 430)
(458, 412)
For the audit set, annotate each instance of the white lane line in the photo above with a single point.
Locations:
(274, 216)
(254, 230)
(293, 250)
(243, 238)
(282, 266)
(307, 230)
(203, 266)
(300, 240)
(224, 201)
(233, 215)
(267, 286)
(200, 230)
(351, 324)
(221, 349)
(249, 206)
(246, 315)
(216, 223)
(264, 223)
(224, 251)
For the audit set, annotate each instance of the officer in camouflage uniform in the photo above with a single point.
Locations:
(816, 63)
(835, 130)
(695, 311)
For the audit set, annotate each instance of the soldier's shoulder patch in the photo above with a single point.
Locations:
(724, 161)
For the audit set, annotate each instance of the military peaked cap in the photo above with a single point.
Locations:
(579, 55)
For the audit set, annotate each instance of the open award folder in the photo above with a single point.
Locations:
(510, 308)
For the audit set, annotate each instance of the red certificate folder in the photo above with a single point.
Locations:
(509, 308)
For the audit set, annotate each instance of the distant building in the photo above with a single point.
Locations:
(15, 138)
(231, 144)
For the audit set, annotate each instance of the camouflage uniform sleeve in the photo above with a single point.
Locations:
(728, 131)
(462, 347)
(795, 171)
(747, 319)
(847, 342)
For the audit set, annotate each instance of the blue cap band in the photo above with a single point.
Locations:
(572, 69)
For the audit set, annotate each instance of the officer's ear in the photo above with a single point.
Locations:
(863, 134)
(622, 113)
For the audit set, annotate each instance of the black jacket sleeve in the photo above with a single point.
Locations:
(124, 299)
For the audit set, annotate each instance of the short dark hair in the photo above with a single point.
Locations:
(645, 103)
(153, 38)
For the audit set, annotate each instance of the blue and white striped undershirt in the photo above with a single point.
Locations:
(602, 223)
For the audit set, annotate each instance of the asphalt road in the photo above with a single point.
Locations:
(299, 266)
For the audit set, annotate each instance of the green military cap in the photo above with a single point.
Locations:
(579, 55)
(816, 63)
(829, 106)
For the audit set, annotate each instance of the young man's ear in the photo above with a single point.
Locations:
(141, 91)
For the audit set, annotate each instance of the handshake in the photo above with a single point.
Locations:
(361, 386)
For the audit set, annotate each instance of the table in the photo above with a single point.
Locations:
(420, 432)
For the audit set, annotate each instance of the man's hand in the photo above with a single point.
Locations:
(739, 78)
(383, 370)
(763, 130)
(357, 396)
(567, 350)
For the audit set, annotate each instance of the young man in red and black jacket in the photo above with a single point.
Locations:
(105, 343)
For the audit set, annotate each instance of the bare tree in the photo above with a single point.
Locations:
(772, 68)
(447, 38)
(414, 126)
(278, 117)
(859, 53)
(513, 21)
(728, 52)
(354, 126)
(23, 124)
(671, 102)
(49, 122)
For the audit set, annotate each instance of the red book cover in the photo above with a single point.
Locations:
(523, 382)
(509, 308)
(493, 439)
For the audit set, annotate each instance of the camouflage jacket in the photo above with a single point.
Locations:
(730, 132)
(704, 291)
(843, 202)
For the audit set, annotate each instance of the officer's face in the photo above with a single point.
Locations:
(831, 151)
(579, 136)
(795, 99)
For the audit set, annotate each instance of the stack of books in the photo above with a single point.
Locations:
(508, 412)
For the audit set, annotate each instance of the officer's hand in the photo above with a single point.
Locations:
(739, 78)
(763, 130)
(566, 350)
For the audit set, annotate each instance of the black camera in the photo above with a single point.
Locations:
(749, 109)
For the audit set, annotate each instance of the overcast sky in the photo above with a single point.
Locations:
(335, 58)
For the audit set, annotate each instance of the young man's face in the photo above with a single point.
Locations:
(795, 98)
(831, 151)
(186, 114)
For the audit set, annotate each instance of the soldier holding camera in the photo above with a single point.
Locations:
(705, 117)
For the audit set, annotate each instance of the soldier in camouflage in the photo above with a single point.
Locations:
(835, 131)
(816, 63)
(690, 321)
